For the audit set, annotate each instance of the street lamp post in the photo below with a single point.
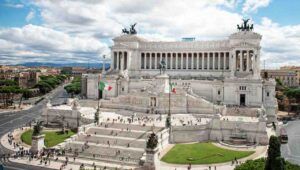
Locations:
(103, 64)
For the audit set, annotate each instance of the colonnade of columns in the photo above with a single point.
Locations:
(245, 60)
(188, 61)
(120, 60)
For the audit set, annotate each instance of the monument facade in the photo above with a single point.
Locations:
(223, 72)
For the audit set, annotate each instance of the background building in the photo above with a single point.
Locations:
(289, 78)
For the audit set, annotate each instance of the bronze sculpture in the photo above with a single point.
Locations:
(162, 66)
(245, 26)
(131, 31)
(37, 129)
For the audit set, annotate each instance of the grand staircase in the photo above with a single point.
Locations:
(112, 144)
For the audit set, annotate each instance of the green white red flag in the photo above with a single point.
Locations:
(104, 86)
(170, 88)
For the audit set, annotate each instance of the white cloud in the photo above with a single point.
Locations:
(280, 44)
(30, 15)
(14, 5)
(253, 5)
(76, 30)
(46, 44)
(106, 18)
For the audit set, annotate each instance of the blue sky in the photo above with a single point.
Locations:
(68, 31)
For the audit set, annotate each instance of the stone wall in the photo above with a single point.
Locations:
(69, 118)
(180, 103)
(185, 134)
(218, 130)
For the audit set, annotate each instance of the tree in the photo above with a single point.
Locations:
(293, 93)
(8, 83)
(27, 93)
(258, 164)
(152, 141)
(44, 87)
(73, 88)
(7, 94)
(274, 161)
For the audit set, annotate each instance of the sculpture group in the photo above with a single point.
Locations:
(131, 30)
(245, 26)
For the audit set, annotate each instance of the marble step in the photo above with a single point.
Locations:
(108, 164)
(113, 140)
(136, 134)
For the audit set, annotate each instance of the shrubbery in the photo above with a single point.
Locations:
(75, 87)
(47, 83)
(259, 164)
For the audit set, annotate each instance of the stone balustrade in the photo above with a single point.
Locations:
(113, 152)
(118, 132)
(131, 127)
(113, 140)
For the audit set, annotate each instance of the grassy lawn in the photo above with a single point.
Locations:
(52, 138)
(202, 153)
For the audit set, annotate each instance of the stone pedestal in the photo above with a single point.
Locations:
(37, 143)
(151, 158)
(162, 82)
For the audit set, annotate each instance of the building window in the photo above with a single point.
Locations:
(268, 94)
(243, 88)
(122, 88)
(219, 92)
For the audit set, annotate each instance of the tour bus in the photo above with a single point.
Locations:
(283, 136)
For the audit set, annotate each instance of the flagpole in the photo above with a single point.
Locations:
(169, 114)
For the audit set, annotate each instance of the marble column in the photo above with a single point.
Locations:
(224, 60)
(187, 61)
(219, 61)
(150, 61)
(166, 60)
(145, 60)
(198, 60)
(171, 62)
(181, 58)
(252, 61)
(248, 60)
(122, 60)
(241, 60)
(208, 58)
(118, 61)
(192, 62)
(155, 60)
(202, 61)
(213, 61)
(232, 65)
(176, 61)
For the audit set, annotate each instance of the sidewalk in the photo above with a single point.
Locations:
(17, 139)
(23, 107)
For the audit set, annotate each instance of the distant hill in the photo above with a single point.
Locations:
(86, 65)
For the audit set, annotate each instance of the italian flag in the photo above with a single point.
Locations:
(104, 86)
(170, 88)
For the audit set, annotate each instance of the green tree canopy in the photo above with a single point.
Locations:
(8, 83)
(274, 161)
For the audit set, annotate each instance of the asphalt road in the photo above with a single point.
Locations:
(13, 120)
(291, 150)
